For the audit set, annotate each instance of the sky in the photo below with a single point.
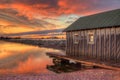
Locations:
(36, 18)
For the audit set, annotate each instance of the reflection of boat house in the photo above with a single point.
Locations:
(95, 36)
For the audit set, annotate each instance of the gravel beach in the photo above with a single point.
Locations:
(96, 74)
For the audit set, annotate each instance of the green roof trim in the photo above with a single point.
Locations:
(100, 20)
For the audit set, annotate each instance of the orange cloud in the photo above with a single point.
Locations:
(5, 28)
(45, 10)
(68, 7)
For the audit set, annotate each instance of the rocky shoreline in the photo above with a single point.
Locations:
(96, 74)
(53, 43)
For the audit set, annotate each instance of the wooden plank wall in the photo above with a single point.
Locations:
(106, 45)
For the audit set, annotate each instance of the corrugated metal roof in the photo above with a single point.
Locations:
(100, 20)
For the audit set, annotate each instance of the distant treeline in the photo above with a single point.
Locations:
(9, 37)
(30, 38)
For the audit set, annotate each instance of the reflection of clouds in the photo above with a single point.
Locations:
(8, 49)
(23, 58)
(32, 65)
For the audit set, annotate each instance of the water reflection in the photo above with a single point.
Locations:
(63, 66)
(20, 58)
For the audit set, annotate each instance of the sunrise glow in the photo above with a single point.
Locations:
(20, 16)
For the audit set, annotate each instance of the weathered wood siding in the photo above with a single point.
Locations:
(106, 45)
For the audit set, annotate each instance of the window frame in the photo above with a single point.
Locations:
(91, 38)
(76, 38)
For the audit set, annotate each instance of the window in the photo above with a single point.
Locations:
(76, 38)
(91, 38)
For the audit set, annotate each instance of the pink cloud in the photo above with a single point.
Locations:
(49, 9)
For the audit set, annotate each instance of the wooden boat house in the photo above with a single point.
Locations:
(95, 37)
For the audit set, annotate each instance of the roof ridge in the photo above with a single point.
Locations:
(108, 11)
(99, 20)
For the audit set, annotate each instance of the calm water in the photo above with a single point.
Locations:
(19, 58)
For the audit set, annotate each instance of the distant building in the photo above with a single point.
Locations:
(96, 36)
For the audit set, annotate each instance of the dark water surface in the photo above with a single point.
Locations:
(18, 58)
